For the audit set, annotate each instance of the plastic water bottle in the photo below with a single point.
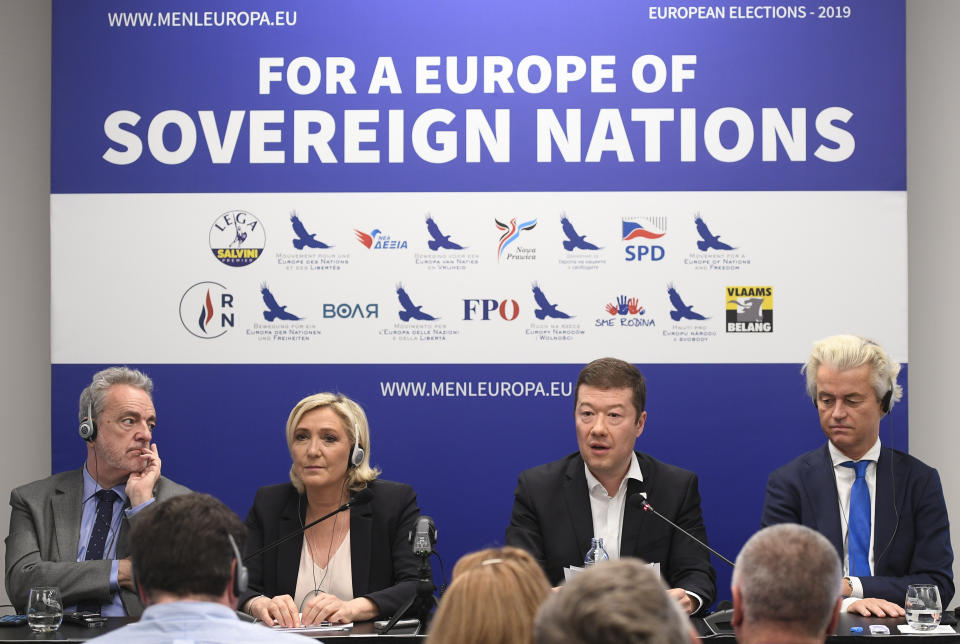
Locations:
(596, 553)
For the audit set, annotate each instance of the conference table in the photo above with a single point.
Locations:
(364, 632)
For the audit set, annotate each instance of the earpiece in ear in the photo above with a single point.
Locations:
(88, 428)
(356, 454)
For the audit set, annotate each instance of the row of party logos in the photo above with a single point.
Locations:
(210, 309)
(238, 238)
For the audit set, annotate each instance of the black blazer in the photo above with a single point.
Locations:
(552, 520)
(912, 548)
(384, 568)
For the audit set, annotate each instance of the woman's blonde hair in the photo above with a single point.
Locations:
(493, 598)
(355, 426)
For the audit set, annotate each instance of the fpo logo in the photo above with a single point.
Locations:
(484, 309)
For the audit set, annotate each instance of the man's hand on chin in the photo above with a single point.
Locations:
(871, 606)
(140, 484)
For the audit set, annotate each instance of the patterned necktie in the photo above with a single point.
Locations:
(98, 538)
(858, 524)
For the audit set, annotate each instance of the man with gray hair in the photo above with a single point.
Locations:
(883, 510)
(786, 587)
(70, 530)
(616, 602)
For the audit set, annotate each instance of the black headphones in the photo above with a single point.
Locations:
(241, 580)
(88, 426)
(356, 452)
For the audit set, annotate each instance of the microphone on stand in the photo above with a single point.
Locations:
(362, 497)
(639, 501)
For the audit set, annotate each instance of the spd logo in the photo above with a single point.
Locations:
(206, 310)
(749, 309)
(237, 238)
(640, 232)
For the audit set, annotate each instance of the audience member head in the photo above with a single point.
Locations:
(180, 550)
(492, 599)
(612, 373)
(786, 586)
(617, 602)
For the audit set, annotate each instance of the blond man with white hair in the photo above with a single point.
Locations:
(883, 510)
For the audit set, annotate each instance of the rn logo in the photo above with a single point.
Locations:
(648, 229)
(237, 238)
(508, 310)
(347, 311)
(749, 309)
(206, 310)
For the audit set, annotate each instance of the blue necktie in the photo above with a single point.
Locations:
(98, 538)
(858, 524)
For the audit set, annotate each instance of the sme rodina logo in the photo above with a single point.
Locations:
(376, 239)
(749, 309)
(206, 310)
(510, 233)
(237, 238)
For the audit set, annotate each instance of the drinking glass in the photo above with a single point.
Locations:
(923, 606)
(44, 609)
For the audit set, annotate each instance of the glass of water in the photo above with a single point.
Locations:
(44, 609)
(923, 606)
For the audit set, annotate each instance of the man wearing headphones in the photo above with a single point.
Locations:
(883, 510)
(70, 529)
(190, 584)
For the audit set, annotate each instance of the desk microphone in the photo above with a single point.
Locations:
(639, 501)
(362, 497)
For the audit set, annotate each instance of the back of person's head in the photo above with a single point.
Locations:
(492, 599)
(788, 575)
(180, 546)
(616, 602)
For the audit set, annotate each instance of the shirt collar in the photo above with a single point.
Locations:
(873, 454)
(91, 487)
(632, 473)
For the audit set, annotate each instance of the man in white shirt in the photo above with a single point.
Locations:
(186, 560)
(883, 510)
(560, 506)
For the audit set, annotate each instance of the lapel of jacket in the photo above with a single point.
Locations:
(361, 537)
(820, 485)
(889, 470)
(288, 552)
(577, 499)
(634, 517)
(67, 509)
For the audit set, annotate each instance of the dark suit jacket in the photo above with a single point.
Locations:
(911, 542)
(552, 520)
(383, 565)
(44, 537)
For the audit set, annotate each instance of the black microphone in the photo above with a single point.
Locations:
(362, 497)
(423, 537)
(639, 501)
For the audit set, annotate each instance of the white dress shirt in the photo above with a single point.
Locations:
(608, 513)
(845, 477)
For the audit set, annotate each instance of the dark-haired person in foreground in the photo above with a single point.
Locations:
(70, 530)
(560, 506)
(882, 510)
(186, 573)
(766, 610)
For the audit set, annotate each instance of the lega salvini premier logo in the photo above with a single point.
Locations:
(237, 238)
